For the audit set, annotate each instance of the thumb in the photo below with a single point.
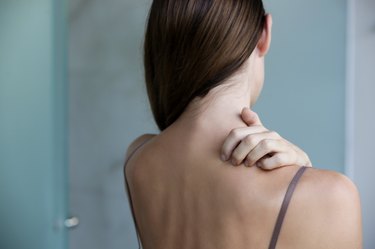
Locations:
(250, 117)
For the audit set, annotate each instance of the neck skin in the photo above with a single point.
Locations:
(210, 119)
(219, 109)
(207, 121)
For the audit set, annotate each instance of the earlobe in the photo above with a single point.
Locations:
(265, 40)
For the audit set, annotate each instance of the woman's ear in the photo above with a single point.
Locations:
(265, 40)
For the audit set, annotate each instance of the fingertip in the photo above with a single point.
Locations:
(248, 116)
(245, 108)
(254, 115)
(234, 162)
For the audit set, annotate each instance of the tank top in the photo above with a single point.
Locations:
(280, 217)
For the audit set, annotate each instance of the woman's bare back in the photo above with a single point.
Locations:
(185, 197)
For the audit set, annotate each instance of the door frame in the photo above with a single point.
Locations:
(60, 96)
(350, 90)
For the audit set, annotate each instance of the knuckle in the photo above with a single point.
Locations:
(249, 140)
(295, 156)
(231, 133)
(266, 144)
(234, 133)
(279, 158)
(266, 166)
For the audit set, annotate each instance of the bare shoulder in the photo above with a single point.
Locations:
(336, 190)
(329, 186)
(325, 212)
(137, 142)
(133, 147)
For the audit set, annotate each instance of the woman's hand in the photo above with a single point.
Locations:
(256, 145)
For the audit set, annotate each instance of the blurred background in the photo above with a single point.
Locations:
(72, 97)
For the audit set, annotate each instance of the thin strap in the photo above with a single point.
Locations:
(284, 207)
(139, 146)
(128, 191)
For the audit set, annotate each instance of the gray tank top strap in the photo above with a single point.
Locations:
(284, 207)
(128, 192)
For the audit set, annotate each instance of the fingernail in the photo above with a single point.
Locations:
(234, 162)
(258, 164)
(223, 157)
(247, 163)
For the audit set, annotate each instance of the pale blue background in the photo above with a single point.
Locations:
(304, 92)
(303, 99)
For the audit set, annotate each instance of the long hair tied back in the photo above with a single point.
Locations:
(191, 46)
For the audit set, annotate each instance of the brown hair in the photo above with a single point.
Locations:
(191, 46)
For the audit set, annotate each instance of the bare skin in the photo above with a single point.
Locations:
(185, 196)
(256, 145)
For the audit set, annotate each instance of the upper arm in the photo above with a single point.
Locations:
(326, 213)
(343, 213)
